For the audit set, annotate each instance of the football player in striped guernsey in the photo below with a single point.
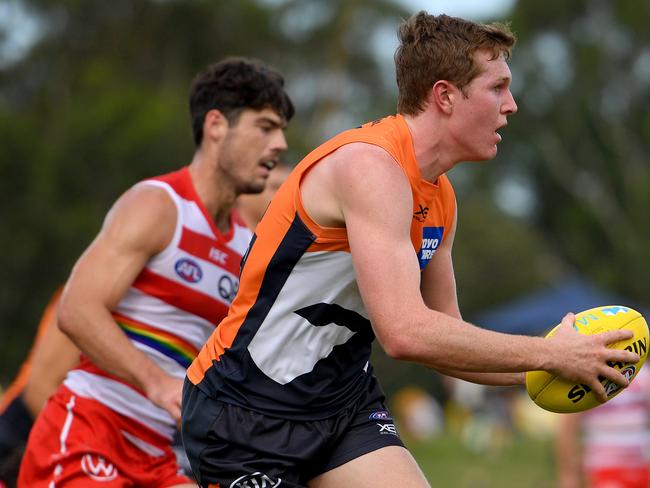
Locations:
(151, 287)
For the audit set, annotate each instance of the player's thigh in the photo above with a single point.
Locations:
(387, 467)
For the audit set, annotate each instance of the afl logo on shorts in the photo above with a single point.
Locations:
(97, 468)
(189, 270)
(380, 415)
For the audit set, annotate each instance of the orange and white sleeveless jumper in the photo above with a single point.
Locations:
(173, 305)
(297, 340)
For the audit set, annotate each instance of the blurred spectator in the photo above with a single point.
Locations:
(608, 446)
(531, 420)
(481, 415)
(51, 356)
(419, 414)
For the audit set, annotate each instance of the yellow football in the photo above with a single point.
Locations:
(561, 396)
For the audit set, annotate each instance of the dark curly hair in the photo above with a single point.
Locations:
(233, 85)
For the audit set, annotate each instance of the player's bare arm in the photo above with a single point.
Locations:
(438, 287)
(139, 225)
(53, 357)
(375, 201)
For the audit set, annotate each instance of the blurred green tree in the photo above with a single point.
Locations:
(99, 102)
(582, 80)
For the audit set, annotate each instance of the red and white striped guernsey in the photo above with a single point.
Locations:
(617, 434)
(174, 304)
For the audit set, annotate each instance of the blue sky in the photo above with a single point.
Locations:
(470, 9)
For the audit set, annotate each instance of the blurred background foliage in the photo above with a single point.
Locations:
(98, 102)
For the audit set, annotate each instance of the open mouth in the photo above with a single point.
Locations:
(497, 132)
(269, 164)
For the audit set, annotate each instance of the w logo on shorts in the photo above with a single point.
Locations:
(255, 480)
(97, 468)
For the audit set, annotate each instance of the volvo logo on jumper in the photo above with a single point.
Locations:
(431, 239)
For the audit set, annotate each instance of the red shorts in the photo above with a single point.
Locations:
(78, 442)
(619, 478)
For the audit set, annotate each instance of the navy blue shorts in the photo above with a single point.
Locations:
(15, 423)
(236, 447)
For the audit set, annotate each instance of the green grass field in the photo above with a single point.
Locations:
(518, 463)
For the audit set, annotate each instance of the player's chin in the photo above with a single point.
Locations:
(490, 153)
(255, 186)
(485, 155)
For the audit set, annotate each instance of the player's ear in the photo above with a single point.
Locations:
(443, 94)
(215, 125)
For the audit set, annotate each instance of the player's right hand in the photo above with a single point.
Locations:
(583, 358)
(166, 392)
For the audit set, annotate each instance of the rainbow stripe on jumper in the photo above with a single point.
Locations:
(164, 342)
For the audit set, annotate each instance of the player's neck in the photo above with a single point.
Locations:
(428, 136)
(217, 194)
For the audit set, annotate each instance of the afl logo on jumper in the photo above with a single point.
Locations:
(431, 239)
(189, 270)
(97, 468)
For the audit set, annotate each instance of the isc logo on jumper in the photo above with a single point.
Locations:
(97, 468)
(431, 239)
(189, 270)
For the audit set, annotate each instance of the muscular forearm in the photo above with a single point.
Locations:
(101, 339)
(445, 343)
(491, 379)
(94, 331)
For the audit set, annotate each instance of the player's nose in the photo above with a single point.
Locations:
(510, 106)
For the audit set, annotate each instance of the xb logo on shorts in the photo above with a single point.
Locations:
(255, 480)
(387, 429)
(97, 468)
